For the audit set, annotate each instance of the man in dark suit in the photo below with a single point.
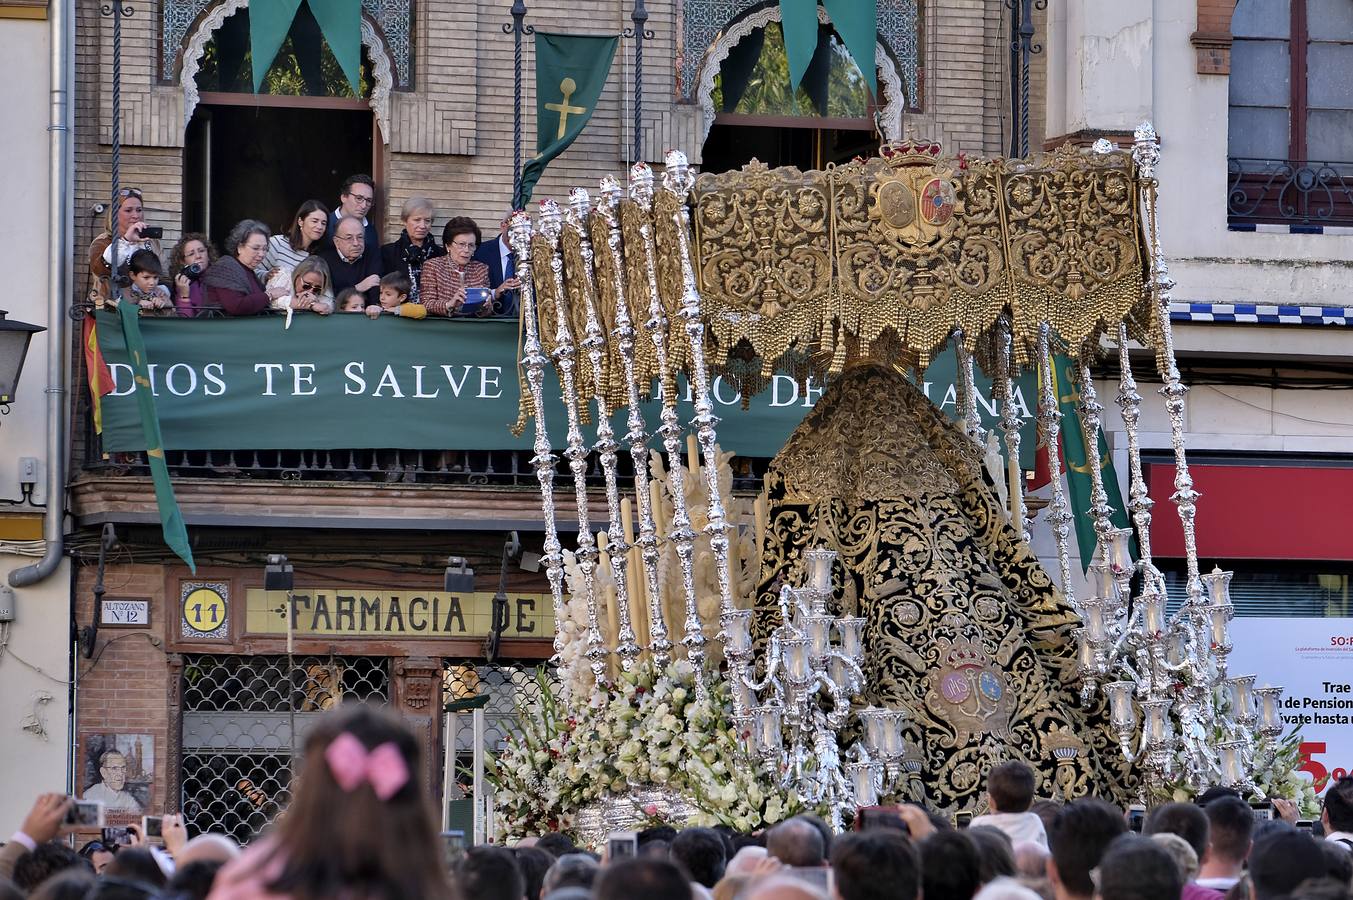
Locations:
(352, 262)
(502, 263)
(356, 198)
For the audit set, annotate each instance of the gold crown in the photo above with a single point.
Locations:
(911, 153)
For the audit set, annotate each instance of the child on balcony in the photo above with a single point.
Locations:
(351, 300)
(395, 290)
(145, 289)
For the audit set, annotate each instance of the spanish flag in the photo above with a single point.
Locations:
(96, 370)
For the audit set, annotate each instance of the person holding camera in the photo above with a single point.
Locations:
(415, 245)
(126, 219)
(448, 279)
(189, 261)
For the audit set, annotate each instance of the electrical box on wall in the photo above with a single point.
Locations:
(6, 603)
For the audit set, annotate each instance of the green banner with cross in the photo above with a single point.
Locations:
(571, 71)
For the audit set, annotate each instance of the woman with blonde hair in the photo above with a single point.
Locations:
(126, 218)
(415, 245)
(309, 288)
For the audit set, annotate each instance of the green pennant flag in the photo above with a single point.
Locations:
(269, 22)
(171, 520)
(571, 70)
(1079, 480)
(857, 23)
(798, 22)
(340, 21)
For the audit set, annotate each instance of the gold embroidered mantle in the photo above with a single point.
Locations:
(965, 630)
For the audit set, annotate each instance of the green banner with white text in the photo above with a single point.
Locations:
(348, 382)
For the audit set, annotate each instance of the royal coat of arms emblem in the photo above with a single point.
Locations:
(969, 691)
(913, 200)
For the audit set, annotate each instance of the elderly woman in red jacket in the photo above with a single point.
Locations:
(231, 282)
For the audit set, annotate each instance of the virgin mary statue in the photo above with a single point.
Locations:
(966, 633)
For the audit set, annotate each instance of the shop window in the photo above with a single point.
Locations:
(244, 721)
(1291, 113)
(511, 688)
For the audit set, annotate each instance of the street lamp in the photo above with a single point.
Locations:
(14, 338)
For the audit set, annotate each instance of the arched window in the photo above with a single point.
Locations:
(828, 117)
(754, 80)
(304, 66)
(1290, 138)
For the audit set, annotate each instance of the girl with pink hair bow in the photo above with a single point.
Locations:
(360, 825)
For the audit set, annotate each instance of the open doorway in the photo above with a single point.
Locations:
(262, 162)
(260, 155)
(734, 141)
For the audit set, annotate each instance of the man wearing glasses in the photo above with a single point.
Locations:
(111, 791)
(353, 263)
(355, 198)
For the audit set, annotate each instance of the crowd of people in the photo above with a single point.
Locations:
(322, 261)
(360, 825)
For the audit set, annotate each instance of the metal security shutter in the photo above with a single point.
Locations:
(244, 723)
(1278, 588)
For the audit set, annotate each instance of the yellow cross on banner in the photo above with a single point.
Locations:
(567, 87)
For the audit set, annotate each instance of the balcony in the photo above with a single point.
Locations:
(1304, 195)
(265, 425)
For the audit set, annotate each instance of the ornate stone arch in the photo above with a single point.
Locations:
(890, 79)
(196, 44)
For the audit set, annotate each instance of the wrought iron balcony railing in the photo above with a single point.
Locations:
(487, 468)
(1289, 192)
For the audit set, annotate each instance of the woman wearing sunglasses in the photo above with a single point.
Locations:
(310, 287)
(127, 219)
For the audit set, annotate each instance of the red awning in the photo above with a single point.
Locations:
(1258, 512)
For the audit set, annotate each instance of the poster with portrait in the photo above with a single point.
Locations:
(118, 770)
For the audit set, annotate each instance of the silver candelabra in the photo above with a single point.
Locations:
(796, 713)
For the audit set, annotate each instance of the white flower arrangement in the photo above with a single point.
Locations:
(645, 729)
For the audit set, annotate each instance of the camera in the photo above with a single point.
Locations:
(116, 836)
(192, 273)
(152, 233)
(622, 844)
(85, 814)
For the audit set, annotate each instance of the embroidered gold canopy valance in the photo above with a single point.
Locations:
(885, 257)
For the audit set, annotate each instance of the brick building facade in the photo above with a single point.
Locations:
(443, 110)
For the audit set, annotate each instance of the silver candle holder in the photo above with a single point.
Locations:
(796, 713)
